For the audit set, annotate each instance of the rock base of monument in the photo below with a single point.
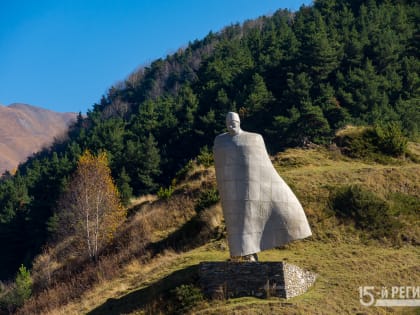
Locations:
(224, 280)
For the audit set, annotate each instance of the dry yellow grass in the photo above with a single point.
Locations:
(341, 269)
(142, 199)
(414, 148)
(342, 261)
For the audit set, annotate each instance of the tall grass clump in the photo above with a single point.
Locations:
(366, 210)
(205, 157)
(186, 297)
(206, 199)
(390, 139)
(165, 193)
(377, 143)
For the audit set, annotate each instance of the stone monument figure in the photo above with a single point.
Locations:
(260, 210)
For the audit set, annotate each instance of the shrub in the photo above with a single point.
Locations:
(390, 139)
(187, 296)
(206, 199)
(17, 293)
(368, 211)
(183, 172)
(356, 142)
(404, 204)
(205, 157)
(165, 193)
(373, 142)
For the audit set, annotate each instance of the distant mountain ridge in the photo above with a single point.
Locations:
(26, 129)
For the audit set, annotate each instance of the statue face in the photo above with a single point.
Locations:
(233, 127)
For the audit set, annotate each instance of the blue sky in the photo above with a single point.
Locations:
(64, 55)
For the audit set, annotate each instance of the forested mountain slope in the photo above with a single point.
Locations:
(295, 77)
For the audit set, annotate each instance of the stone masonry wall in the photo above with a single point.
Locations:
(223, 280)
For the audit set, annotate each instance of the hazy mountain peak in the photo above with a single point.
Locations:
(25, 129)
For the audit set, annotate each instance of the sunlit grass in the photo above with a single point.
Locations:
(342, 260)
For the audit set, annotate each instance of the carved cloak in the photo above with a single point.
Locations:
(260, 210)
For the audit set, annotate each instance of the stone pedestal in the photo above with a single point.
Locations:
(223, 280)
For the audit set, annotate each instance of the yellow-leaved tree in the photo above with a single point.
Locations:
(90, 210)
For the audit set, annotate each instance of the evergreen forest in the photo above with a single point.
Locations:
(294, 77)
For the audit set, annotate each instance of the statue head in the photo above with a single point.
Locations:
(233, 123)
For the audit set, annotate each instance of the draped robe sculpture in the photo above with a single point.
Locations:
(260, 210)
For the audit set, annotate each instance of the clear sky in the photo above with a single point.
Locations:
(64, 55)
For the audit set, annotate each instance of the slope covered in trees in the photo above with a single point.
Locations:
(293, 77)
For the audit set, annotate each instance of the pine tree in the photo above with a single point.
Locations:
(312, 125)
(123, 184)
(143, 164)
(23, 283)
(259, 96)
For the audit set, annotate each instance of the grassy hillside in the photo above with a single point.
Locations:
(294, 77)
(166, 238)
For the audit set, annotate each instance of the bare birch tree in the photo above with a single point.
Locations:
(90, 210)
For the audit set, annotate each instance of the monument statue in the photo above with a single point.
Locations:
(260, 210)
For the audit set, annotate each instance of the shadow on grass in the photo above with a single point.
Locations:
(192, 234)
(140, 298)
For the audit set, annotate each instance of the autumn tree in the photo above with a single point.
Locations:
(90, 210)
(292, 76)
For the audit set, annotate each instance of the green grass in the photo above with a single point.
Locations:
(341, 269)
(343, 257)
